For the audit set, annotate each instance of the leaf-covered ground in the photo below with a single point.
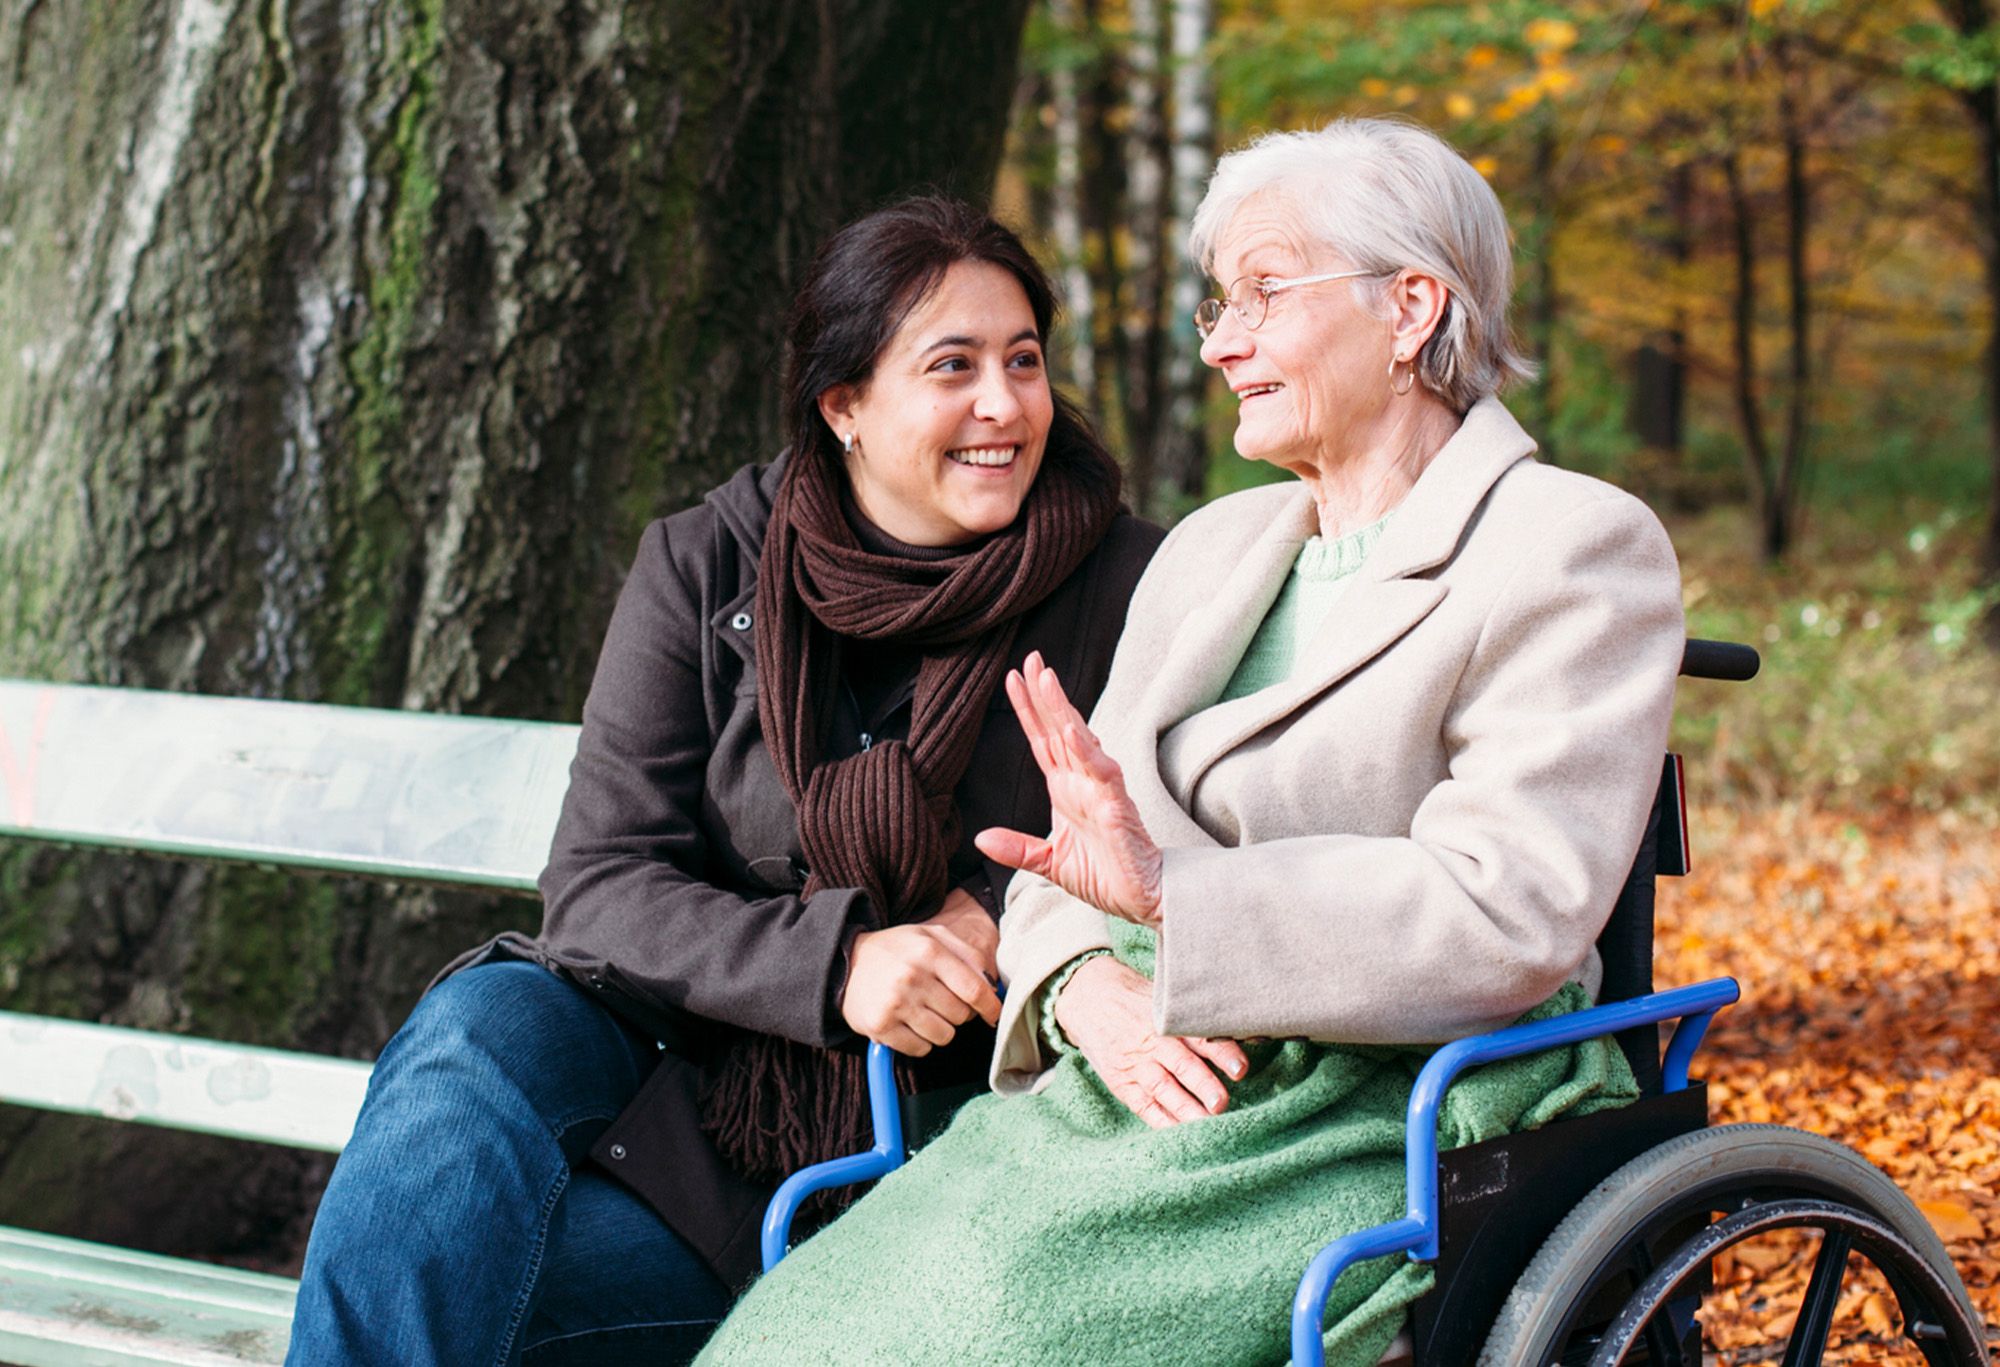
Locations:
(1869, 954)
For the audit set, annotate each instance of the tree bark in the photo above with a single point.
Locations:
(1743, 345)
(1774, 476)
(1067, 202)
(1799, 397)
(1545, 310)
(1148, 256)
(1987, 119)
(1974, 19)
(1183, 445)
(350, 346)
(1659, 392)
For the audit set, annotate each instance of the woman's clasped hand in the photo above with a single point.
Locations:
(911, 986)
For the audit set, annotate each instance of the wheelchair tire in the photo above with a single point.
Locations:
(1662, 1200)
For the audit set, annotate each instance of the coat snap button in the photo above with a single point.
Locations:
(741, 621)
(617, 1150)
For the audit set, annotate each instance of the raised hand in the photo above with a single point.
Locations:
(1098, 849)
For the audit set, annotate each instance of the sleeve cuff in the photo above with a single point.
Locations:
(860, 917)
(1051, 1033)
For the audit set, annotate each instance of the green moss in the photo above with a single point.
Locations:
(264, 957)
(38, 908)
(378, 538)
(675, 253)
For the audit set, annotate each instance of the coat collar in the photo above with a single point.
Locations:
(1385, 600)
(1432, 521)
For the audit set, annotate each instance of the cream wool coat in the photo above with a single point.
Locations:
(1420, 835)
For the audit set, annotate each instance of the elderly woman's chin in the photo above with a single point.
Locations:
(1267, 436)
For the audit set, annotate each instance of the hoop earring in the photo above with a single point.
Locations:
(846, 443)
(1409, 377)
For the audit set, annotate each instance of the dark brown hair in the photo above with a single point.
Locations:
(869, 277)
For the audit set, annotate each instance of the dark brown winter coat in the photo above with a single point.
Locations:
(672, 887)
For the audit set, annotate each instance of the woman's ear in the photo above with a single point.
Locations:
(1416, 307)
(836, 405)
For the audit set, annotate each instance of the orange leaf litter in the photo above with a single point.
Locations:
(1870, 962)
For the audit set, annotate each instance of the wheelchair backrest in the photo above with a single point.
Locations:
(1626, 945)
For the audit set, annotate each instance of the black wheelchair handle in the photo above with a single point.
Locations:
(1719, 660)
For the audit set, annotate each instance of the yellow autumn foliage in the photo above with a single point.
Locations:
(1556, 35)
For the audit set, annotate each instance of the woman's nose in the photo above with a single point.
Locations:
(1227, 341)
(996, 401)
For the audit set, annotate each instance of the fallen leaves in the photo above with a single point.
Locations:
(1952, 1221)
(1870, 964)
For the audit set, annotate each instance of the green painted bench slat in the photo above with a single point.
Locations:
(463, 800)
(301, 1100)
(65, 1302)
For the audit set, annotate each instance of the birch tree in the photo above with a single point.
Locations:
(1184, 461)
(1079, 296)
(1149, 257)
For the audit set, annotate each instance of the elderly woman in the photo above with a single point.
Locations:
(1371, 766)
(765, 856)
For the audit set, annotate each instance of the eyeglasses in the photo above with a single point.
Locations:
(1250, 298)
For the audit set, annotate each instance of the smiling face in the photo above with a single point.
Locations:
(950, 429)
(1312, 382)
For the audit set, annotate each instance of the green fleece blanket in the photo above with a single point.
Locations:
(1058, 1227)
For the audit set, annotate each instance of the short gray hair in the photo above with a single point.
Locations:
(1388, 195)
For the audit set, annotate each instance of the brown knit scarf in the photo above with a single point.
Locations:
(882, 820)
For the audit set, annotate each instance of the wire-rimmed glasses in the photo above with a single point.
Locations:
(1250, 298)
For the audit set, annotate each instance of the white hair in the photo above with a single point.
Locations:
(1387, 196)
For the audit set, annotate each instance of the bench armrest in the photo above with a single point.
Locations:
(1416, 1234)
(887, 1155)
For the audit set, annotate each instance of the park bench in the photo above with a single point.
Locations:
(454, 801)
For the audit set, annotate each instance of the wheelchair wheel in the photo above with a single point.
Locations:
(1620, 1279)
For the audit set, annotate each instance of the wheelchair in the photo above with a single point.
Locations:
(1590, 1242)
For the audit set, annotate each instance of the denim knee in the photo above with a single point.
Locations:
(512, 1038)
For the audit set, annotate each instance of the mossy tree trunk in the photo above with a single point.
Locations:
(348, 347)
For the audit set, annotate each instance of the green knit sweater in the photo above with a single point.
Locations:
(1057, 1227)
(1317, 579)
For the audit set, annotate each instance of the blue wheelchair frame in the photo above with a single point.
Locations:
(1416, 1234)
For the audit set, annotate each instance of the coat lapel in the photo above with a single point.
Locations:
(1384, 601)
(1211, 638)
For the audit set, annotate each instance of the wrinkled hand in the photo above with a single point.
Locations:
(1097, 849)
(1106, 1011)
(910, 987)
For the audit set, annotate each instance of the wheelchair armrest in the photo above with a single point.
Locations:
(1695, 1006)
(1417, 1232)
(885, 1110)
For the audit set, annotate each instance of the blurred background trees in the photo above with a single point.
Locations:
(1759, 240)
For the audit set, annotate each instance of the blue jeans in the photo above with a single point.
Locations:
(456, 1227)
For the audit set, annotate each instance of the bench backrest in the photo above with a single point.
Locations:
(468, 801)
(181, 1083)
(460, 801)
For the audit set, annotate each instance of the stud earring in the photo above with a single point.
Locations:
(847, 443)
